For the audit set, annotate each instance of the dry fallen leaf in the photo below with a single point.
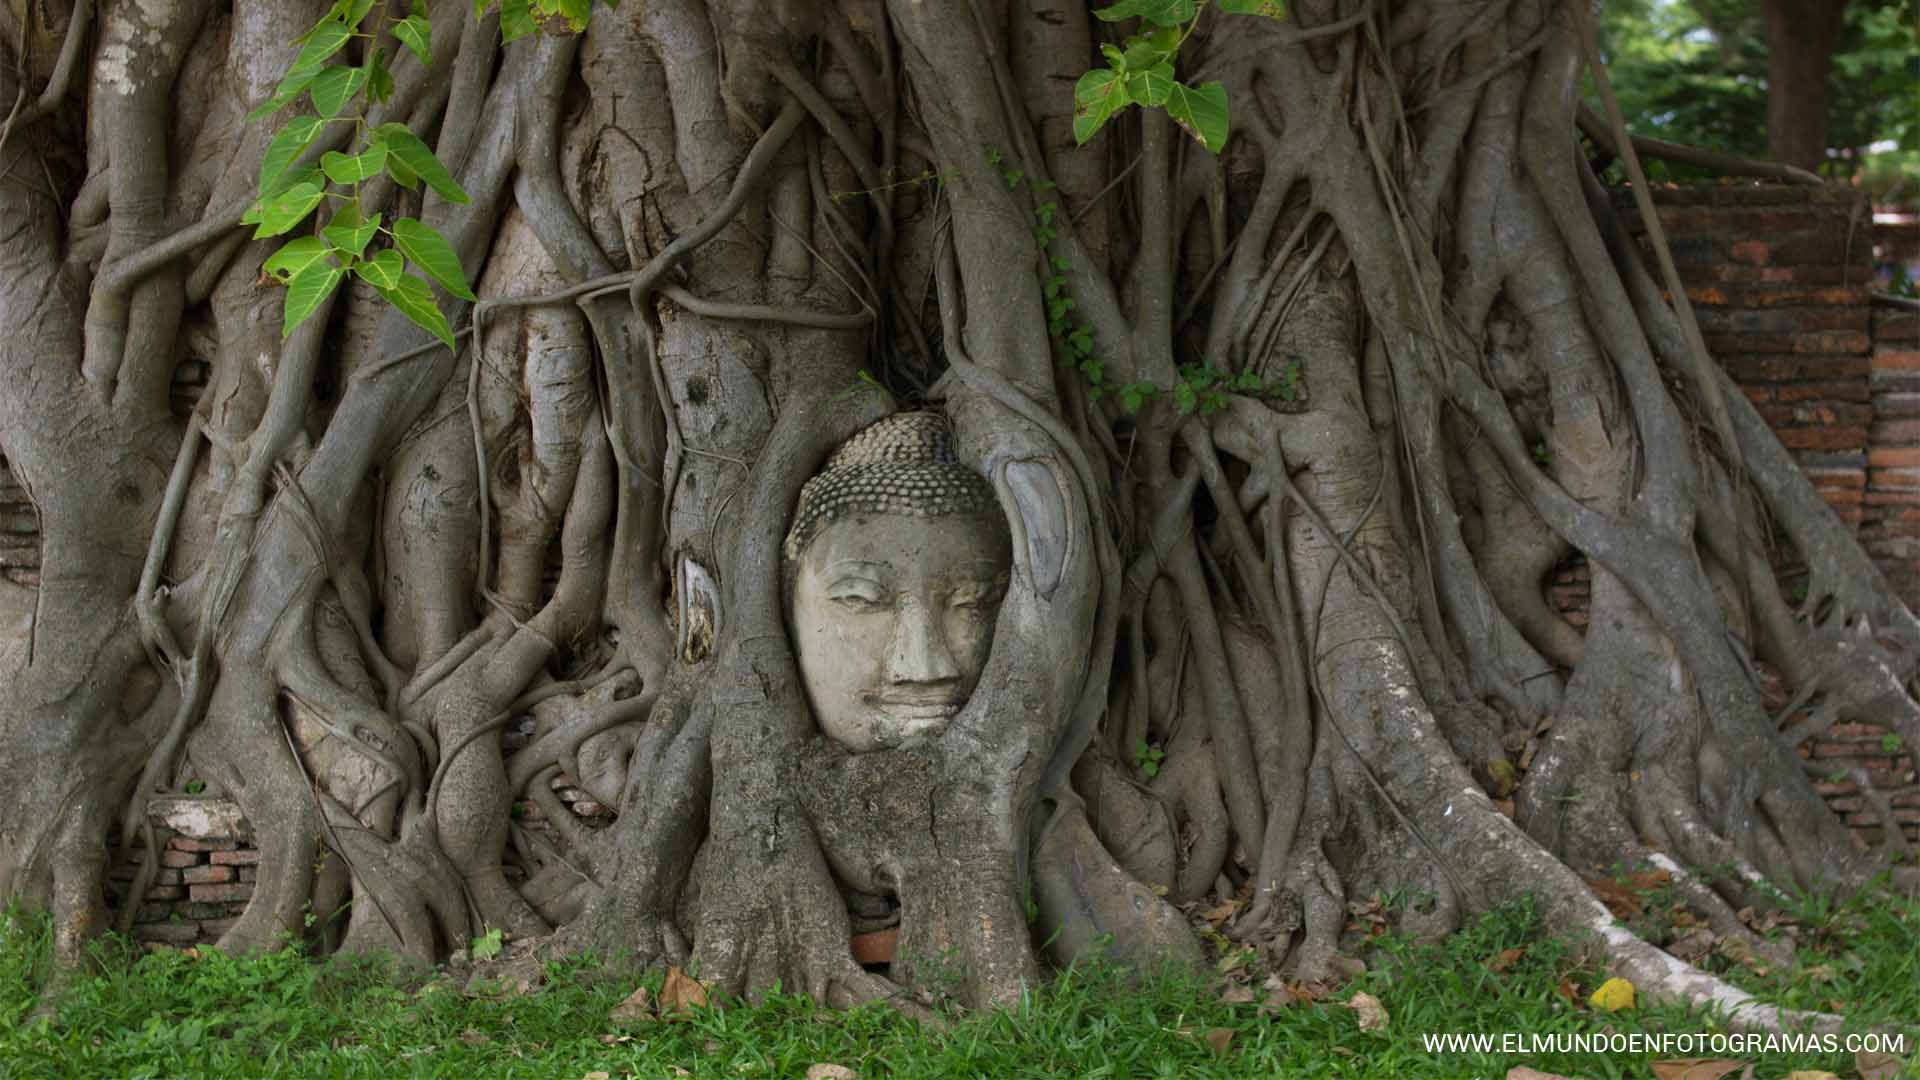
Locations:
(1238, 995)
(1694, 946)
(680, 992)
(598, 1074)
(611, 1039)
(637, 1007)
(1876, 1066)
(1521, 1072)
(1505, 959)
(1695, 1068)
(473, 1037)
(1810, 1074)
(1218, 1038)
(1372, 1014)
(829, 1071)
(1614, 994)
(1217, 916)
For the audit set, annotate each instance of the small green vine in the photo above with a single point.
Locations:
(1202, 389)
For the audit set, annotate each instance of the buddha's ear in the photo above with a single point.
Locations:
(1036, 496)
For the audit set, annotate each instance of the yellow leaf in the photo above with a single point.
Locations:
(1613, 995)
(1811, 1074)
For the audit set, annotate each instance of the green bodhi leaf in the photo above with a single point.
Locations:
(1096, 97)
(1202, 111)
(334, 87)
(352, 169)
(307, 291)
(430, 251)
(383, 271)
(287, 209)
(417, 35)
(287, 146)
(298, 254)
(405, 147)
(516, 20)
(1158, 12)
(347, 233)
(414, 299)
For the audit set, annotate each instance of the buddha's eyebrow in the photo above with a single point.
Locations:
(868, 564)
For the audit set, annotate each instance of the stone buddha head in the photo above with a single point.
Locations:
(896, 564)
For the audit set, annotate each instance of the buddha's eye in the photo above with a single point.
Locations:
(860, 596)
(975, 597)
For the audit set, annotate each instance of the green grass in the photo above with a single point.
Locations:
(168, 1014)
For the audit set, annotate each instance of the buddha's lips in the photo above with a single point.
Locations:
(920, 708)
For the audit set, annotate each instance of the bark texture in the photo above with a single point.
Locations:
(1286, 647)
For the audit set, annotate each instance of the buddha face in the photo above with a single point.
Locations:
(893, 618)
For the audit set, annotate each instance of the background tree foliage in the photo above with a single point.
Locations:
(1695, 72)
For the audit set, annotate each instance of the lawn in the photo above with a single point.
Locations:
(204, 1013)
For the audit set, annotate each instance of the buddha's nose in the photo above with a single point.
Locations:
(920, 653)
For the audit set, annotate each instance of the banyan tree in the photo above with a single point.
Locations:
(883, 500)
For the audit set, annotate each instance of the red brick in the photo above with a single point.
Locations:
(188, 843)
(1822, 476)
(171, 933)
(1833, 390)
(1896, 326)
(1896, 361)
(1708, 297)
(1777, 367)
(207, 875)
(242, 857)
(876, 947)
(170, 857)
(1751, 251)
(1897, 432)
(232, 890)
(1828, 296)
(1823, 438)
(1896, 479)
(1893, 455)
(1839, 497)
(1833, 341)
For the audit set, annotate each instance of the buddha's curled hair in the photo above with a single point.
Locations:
(903, 464)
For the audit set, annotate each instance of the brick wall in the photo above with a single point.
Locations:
(205, 876)
(1780, 278)
(19, 528)
(1890, 525)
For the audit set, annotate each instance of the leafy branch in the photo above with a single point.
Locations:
(351, 241)
(1140, 70)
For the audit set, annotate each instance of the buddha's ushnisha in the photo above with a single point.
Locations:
(897, 558)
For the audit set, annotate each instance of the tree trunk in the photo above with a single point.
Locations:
(1285, 444)
(1800, 40)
